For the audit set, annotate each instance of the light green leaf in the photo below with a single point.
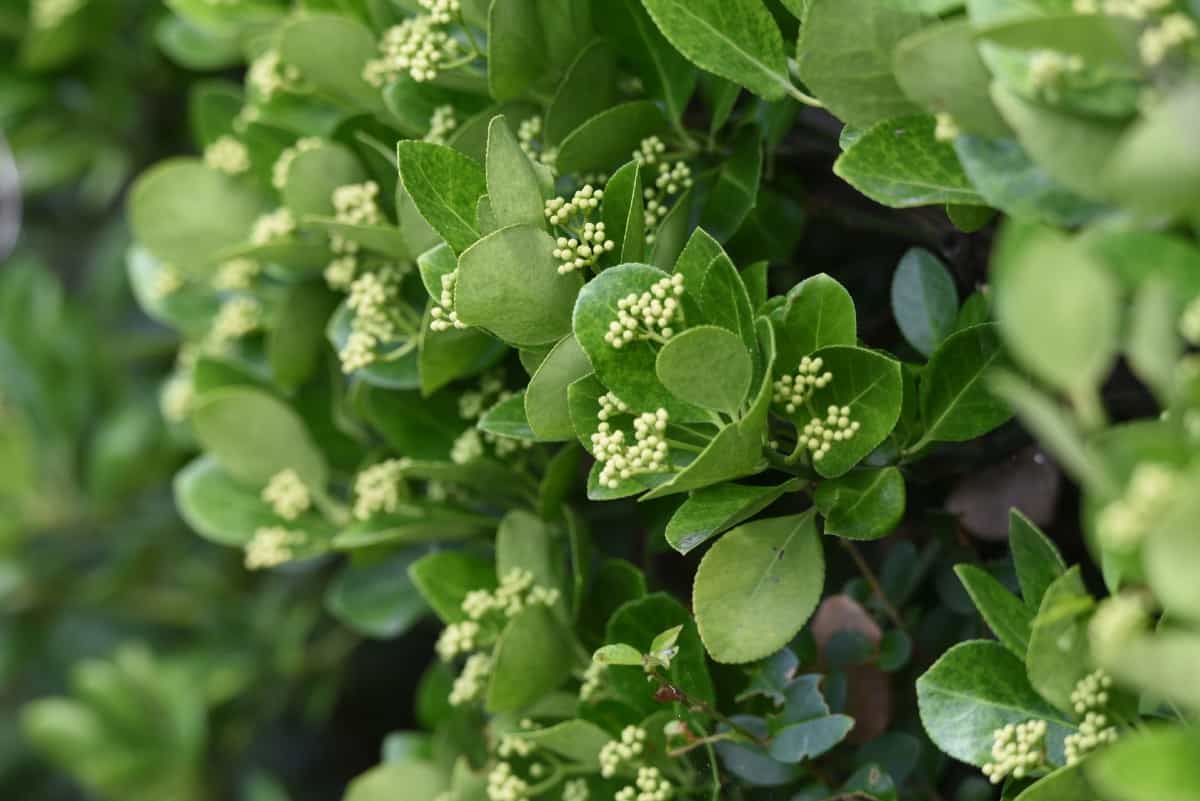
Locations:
(546, 405)
(218, 508)
(1058, 654)
(187, 215)
(412, 524)
(254, 436)
(513, 190)
(1064, 784)
(531, 660)
(862, 505)
(956, 404)
(688, 362)
(819, 312)
(1005, 615)
(526, 542)
(331, 50)
(1155, 167)
(636, 623)
(314, 174)
(757, 586)
(609, 138)
(1156, 764)
(736, 39)
(588, 88)
(618, 654)
(1061, 324)
(623, 210)
(509, 284)
(975, 688)
(376, 597)
(899, 163)
(412, 778)
(844, 56)
(445, 186)
(710, 511)
(445, 577)
(939, 67)
(507, 419)
(577, 740)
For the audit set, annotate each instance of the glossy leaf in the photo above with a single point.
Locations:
(713, 510)
(687, 363)
(924, 300)
(445, 187)
(862, 505)
(956, 404)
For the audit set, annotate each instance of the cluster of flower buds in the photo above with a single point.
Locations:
(1124, 523)
(457, 638)
(650, 785)
(575, 254)
(238, 317)
(357, 204)
(442, 12)
(648, 453)
(1047, 68)
(470, 683)
(271, 546)
(560, 211)
(649, 151)
(370, 298)
(442, 124)
(517, 591)
(269, 75)
(283, 164)
(1157, 41)
(669, 180)
(819, 435)
(228, 155)
(648, 315)
(791, 391)
(529, 137)
(1017, 750)
(378, 488)
(417, 46)
(576, 790)
(286, 493)
(615, 753)
(1091, 695)
(273, 226)
(236, 274)
(443, 314)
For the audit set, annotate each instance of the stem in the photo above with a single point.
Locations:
(703, 708)
(1090, 408)
(801, 97)
(873, 581)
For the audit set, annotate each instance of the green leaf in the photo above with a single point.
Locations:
(385, 239)
(1154, 167)
(1005, 615)
(576, 740)
(939, 67)
(376, 597)
(809, 739)
(1069, 147)
(710, 511)
(526, 542)
(975, 688)
(546, 405)
(1061, 324)
(530, 43)
(735, 192)
(1093, 37)
(688, 362)
(444, 578)
(924, 299)
(297, 340)
(1058, 655)
(412, 778)
(757, 586)
(331, 50)
(618, 654)
(899, 163)
(956, 404)
(454, 353)
(513, 189)
(819, 312)
(871, 385)
(445, 187)
(1155, 764)
(1007, 179)
(637, 623)
(254, 436)
(416, 426)
(609, 138)
(736, 39)
(314, 174)
(623, 211)
(1038, 561)
(666, 74)
(588, 88)
(507, 419)
(1064, 784)
(863, 505)
(844, 56)
(411, 524)
(187, 215)
(531, 660)
(628, 371)
(218, 508)
(509, 284)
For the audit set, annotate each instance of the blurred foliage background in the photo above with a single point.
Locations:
(188, 677)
